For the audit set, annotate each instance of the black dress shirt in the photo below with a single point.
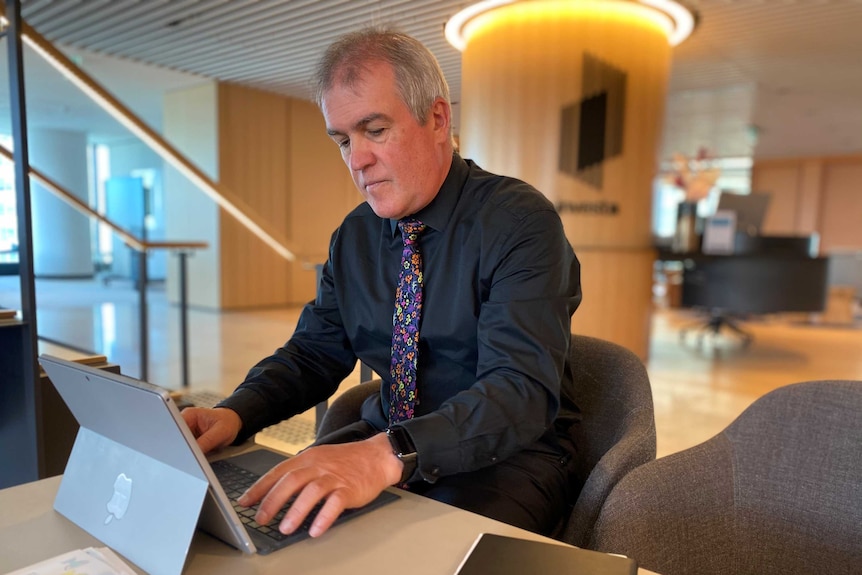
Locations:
(501, 285)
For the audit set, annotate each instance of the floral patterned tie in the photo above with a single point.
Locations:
(405, 324)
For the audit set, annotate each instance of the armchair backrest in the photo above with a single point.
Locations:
(617, 431)
(778, 491)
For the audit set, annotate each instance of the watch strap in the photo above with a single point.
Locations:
(403, 448)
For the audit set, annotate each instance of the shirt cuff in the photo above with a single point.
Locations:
(437, 446)
(251, 408)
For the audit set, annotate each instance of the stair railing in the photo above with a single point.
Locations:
(181, 249)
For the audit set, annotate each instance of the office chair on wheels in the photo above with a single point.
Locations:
(713, 326)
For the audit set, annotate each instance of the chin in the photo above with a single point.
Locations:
(386, 214)
(384, 210)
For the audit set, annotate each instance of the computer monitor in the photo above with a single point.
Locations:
(750, 210)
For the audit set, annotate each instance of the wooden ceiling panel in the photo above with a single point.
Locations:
(793, 52)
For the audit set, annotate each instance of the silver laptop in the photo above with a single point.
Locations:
(137, 480)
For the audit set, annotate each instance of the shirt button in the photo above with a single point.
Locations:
(435, 471)
(493, 459)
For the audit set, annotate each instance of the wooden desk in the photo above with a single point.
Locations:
(439, 536)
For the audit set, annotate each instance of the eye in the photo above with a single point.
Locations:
(376, 133)
(343, 144)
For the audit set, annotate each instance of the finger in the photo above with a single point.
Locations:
(211, 439)
(189, 415)
(312, 493)
(204, 428)
(197, 425)
(275, 489)
(327, 515)
(263, 485)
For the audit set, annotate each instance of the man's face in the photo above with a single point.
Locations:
(397, 164)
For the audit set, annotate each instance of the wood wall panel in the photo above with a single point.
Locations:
(254, 164)
(274, 161)
(808, 215)
(814, 195)
(782, 181)
(841, 212)
(323, 194)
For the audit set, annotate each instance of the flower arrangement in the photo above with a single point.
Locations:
(694, 176)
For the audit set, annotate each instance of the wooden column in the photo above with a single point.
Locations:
(569, 96)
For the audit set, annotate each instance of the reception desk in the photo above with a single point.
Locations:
(754, 284)
(780, 276)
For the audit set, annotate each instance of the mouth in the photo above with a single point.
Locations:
(371, 186)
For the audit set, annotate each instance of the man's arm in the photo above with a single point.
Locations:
(300, 374)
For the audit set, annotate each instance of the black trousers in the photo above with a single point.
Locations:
(533, 489)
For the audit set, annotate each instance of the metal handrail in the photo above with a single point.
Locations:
(232, 204)
(229, 202)
(182, 248)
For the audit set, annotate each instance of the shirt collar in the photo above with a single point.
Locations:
(438, 213)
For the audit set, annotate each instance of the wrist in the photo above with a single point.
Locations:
(231, 420)
(390, 465)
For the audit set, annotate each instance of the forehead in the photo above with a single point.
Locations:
(353, 72)
(350, 99)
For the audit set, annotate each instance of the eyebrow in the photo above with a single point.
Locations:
(360, 124)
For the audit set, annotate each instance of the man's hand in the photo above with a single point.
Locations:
(212, 427)
(347, 475)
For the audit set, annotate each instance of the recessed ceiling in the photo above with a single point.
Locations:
(772, 77)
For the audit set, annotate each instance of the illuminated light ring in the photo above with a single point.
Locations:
(682, 18)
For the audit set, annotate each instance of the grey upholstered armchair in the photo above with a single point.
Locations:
(779, 491)
(616, 435)
(345, 409)
(617, 431)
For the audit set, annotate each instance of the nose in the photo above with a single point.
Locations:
(360, 155)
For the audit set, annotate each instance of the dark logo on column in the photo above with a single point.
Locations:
(591, 130)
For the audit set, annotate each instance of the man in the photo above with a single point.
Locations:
(477, 420)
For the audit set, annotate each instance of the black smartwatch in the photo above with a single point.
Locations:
(403, 448)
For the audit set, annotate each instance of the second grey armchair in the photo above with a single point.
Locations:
(778, 492)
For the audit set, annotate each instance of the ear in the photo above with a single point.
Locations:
(441, 118)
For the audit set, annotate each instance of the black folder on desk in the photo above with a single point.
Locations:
(500, 555)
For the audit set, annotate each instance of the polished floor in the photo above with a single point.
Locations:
(698, 388)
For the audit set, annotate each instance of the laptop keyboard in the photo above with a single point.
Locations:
(235, 480)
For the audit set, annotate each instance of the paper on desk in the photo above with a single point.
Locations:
(89, 561)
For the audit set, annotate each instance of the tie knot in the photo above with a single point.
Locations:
(410, 229)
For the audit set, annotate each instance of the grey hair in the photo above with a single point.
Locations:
(418, 75)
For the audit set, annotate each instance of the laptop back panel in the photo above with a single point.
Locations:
(132, 434)
(137, 505)
(136, 478)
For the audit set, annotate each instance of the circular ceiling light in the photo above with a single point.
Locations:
(682, 18)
